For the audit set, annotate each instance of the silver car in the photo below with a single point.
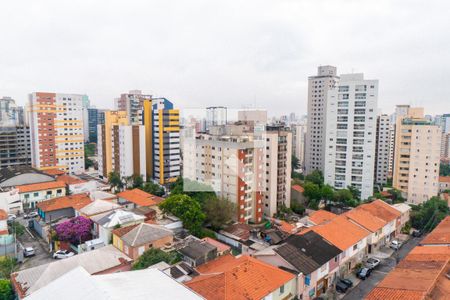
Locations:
(372, 262)
(28, 251)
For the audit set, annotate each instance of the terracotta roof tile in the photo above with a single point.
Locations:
(298, 188)
(382, 210)
(124, 230)
(140, 197)
(440, 235)
(321, 216)
(3, 215)
(220, 246)
(67, 179)
(340, 232)
(392, 294)
(365, 219)
(230, 278)
(444, 179)
(3, 232)
(76, 201)
(54, 172)
(26, 188)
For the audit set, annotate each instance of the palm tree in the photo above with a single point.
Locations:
(115, 181)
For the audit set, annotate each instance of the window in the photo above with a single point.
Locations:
(355, 247)
(35, 194)
(282, 289)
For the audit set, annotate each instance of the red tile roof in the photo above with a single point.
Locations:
(229, 278)
(76, 201)
(3, 215)
(67, 179)
(298, 188)
(444, 179)
(140, 197)
(124, 230)
(54, 172)
(365, 219)
(321, 216)
(26, 188)
(440, 235)
(382, 210)
(340, 232)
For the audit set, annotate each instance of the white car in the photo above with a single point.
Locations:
(32, 214)
(28, 251)
(372, 262)
(395, 244)
(60, 254)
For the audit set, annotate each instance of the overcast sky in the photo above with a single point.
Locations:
(236, 53)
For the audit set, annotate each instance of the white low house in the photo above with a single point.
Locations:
(105, 223)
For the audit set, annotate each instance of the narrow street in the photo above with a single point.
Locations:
(386, 265)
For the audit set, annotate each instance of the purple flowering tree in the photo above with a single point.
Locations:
(77, 230)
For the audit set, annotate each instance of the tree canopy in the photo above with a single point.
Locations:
(6, 290)
(218, 212)
(315, 177)
(444, 169)
(76, 230)
(427, 215)
(153, 256)
(187, 209)
(153, 189)
(115, 181)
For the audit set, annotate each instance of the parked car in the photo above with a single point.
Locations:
(395, 244)
(417, 233)
(347, 282)
(372, 262)
(28, 251)
(341, 287)
(363, 273)
(30, 215)
(60, 254)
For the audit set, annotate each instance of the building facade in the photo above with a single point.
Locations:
(95, 117)
(277, 173)
(56, 130)
(105, 141)
(298, 142)
(133, 103)
(318, 88)
(417, 154)
(350, 134)
(162, 136)
(216, 116)
(383, 149)
(230, 165)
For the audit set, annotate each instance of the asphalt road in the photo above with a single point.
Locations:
(43, 256)
(386, 265)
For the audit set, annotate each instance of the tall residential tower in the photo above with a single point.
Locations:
(318, 88)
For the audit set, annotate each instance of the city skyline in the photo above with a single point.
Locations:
(245, 57)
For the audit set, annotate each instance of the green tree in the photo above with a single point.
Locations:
(18, 228)
(312, 191)
(444, 169)
(7, 266)
(187, 209)
(295, 163)
(315, 177)
(327, 192)
(88, 163)
(153, 256)
(6, 291)
(297, 208)
(137, 181)
(427, 215)
(343, 196)
(153, 189)
(355, 192)
(115, 181)
(219, 212)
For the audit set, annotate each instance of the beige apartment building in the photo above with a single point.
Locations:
(416, 158)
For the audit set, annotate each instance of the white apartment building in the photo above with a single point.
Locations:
(127, 150)
(132, 103)
(56, 128)
(318, 88)
(383, 149)
(417, 156)
(298, 142)
(350, 134)
(232, 166)
(216, 116)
